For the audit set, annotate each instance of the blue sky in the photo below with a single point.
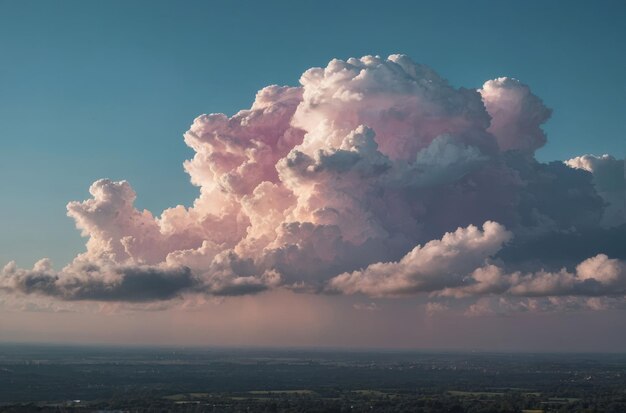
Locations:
(92, 89)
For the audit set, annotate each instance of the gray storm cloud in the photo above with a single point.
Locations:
(374, 176)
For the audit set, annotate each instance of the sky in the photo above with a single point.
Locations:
(92, 90)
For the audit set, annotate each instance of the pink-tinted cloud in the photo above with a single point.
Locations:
(436, 265)
(374, 176)
(516, 115)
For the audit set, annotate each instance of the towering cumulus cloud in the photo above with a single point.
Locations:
(374, 176)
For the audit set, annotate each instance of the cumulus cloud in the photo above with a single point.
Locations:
(92, 282)
(609, 178)
(373, 176)
(516, 115)
(436, 265)
(598, 276)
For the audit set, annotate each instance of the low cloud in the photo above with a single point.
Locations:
(436, 265)
(91, 282)
(598, 276)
